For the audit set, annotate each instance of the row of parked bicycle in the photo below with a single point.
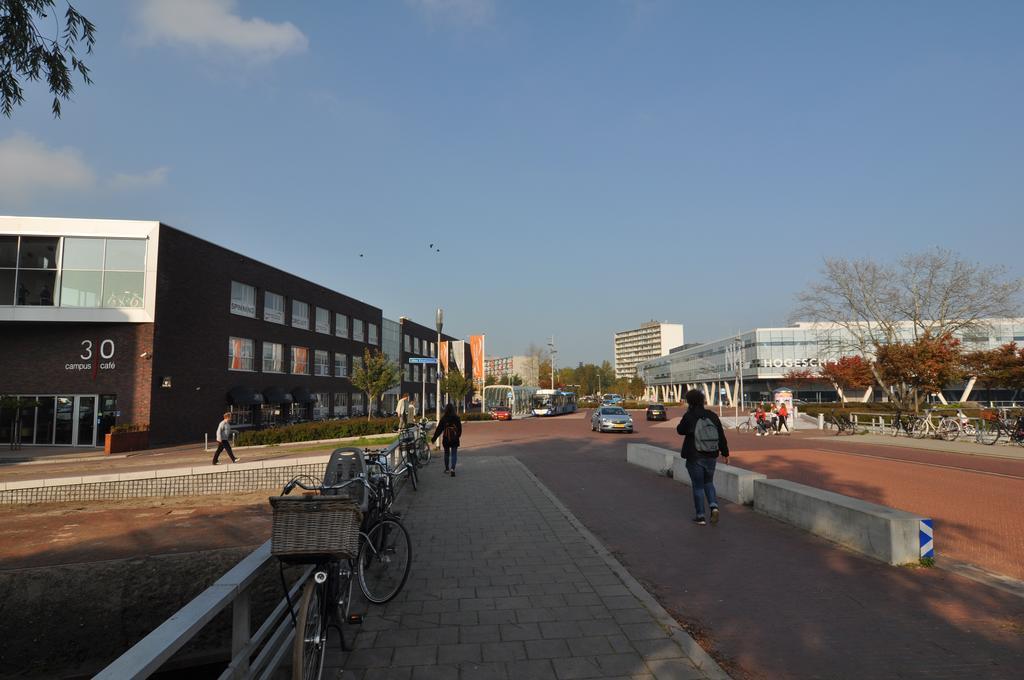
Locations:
(345, 527)
(994, 425)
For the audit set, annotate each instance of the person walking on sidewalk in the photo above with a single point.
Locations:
(703, 440)
(224, 439)
(783, 415)
(449, 429)
(404, 419)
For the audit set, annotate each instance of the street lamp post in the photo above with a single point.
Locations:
(439, 320)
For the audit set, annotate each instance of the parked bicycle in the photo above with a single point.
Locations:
(347, 532)
(747, 425)
(901, 424)
(844, 425)
(1000, 424)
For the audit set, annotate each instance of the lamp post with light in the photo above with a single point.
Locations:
(439, 321)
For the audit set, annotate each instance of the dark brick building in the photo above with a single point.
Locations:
(105, 322)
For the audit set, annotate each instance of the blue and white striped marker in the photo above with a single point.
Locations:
(927, 538)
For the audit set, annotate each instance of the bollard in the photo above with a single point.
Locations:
(206, 441)
(821, 421)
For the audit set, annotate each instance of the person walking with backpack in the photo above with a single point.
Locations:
(449, 428)
(703, 440)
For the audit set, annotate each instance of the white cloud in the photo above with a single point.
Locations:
(29, 168)
(214, 24)
(464, 12)
(154, 178)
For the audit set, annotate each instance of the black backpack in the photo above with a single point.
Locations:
(451, 432)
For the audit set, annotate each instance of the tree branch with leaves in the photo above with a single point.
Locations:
(27, 53)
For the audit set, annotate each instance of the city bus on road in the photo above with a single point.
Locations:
(553, 402)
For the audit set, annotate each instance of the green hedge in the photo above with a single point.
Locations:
(321, 429)
(475, 416)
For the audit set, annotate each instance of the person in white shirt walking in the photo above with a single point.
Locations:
(224, 439)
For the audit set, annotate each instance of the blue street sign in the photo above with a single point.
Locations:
(422, 360)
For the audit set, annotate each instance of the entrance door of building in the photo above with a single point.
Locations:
(68, 420)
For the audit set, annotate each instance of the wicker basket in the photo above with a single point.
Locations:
(314, 528)
(989, 415)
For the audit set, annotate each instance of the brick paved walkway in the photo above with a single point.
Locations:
(507, 584)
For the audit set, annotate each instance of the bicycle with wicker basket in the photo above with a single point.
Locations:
(347, 535)
(999, 423)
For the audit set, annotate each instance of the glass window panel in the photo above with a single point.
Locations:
(123, 289)
(81, 289)
(357, 329)
(240, 354)
(82, 253)
(300, 314)
(38, 252)
(35, 288)
(7, 286)
(300, 360)
(323, 320)
(243, 299)
(273, 357)
(273, 307)
(8, 251)
(127, 254)
(340, 365)
(321, 362)
(341, 325)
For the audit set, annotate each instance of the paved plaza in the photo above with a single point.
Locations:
(507, 584)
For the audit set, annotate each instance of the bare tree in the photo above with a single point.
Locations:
(931, 294)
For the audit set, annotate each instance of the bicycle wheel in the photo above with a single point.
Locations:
(414, 477)
(949, 429)
(988, 433)
(342, 597)
(385, 557)
(742, 427)
(310, 632)
(423, 454)
(919, 429)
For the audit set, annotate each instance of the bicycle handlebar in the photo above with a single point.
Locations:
(290, 486)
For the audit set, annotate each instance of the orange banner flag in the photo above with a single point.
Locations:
(476, 354)
(442, 352)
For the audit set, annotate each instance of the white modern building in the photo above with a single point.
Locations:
(652, 339)
(760, 358)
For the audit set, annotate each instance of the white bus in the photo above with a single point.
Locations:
(553, 403)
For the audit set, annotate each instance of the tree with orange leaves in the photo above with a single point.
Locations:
(848, 373)
(922, 366)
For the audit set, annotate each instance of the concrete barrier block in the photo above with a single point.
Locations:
(128, 476)
(651, 457)
(731, 483)
(61, 481)
(24, 484)
(99, 479)
(887, 534)
(173, 472)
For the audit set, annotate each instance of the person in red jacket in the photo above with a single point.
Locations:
(783, 415)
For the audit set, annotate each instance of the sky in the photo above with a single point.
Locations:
(581, 167)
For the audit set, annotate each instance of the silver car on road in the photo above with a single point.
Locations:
(611, 419)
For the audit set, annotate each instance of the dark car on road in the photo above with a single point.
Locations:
(656, 412)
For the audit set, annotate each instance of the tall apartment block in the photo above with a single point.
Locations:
(650, 340)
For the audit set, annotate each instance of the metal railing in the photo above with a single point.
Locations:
(253, 655)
